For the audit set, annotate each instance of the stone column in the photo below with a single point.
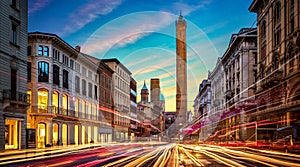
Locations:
(50, 133)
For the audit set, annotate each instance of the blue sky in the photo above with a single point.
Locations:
(141, 34)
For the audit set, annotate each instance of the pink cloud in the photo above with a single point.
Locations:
(36, 5)
(89, 12)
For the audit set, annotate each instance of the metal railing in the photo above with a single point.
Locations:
(15, 96)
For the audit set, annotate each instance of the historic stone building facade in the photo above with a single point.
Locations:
(64, 93)
(121, 98)
(217, 78)
(105, 99)
(278, 63)
(239, 69)
(14, 100)
(202, 105)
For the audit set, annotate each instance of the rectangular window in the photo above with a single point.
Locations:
(40, 50)
(109, 84)
(102, 79)
(83, 70)
(28, 50)
(83, 87)
(292, 23)
(14, 3)
(46, 51)
(96, 78)
(65, 79)
(13, 85)
(55, 75)
(90, 90)
(28, 71)
(90, 75)
(71, 63)
(14, 33)
(77, 84)
(277, 37)
(96, 92)
(77, 67)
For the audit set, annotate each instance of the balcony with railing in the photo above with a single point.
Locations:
(15, 96)
(41, 109)
(273, 78)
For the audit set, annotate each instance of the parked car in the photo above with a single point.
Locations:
(259, 145)
(287, 139)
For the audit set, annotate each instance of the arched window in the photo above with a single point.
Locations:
(43, 71)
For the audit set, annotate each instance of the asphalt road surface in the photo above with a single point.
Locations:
(159, 155)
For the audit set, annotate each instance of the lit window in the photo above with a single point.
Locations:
(46, 51)
(55, 103)
(42, 100)
(64, 104)
(40, 50)
(43, 72)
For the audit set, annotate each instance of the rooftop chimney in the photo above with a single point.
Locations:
(77, 48)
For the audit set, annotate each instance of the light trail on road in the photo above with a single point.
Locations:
(164, 155)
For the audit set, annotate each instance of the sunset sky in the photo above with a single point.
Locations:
(141, 34)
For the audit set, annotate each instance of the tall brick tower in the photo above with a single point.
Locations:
(181, 73)
(154, 90)
(144, 93)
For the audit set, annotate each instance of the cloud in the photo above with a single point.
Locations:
(134, 27)
(189, 6)
(89, 12)
(36, 5)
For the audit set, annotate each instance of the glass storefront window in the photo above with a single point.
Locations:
(11, 134)
(76, 131)
(43, 101)
(64, 104)
(64, 134)
(55, 134)
(41, 135)
(55, 102)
